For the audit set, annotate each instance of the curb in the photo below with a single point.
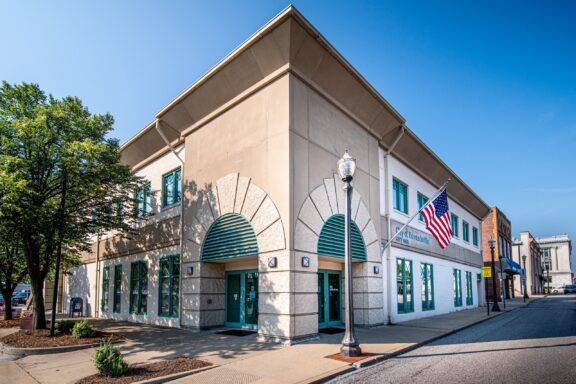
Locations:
(14, 351)
(378, 359)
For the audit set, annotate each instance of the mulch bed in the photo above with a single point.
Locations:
(148, 371)
(9, 323)
(41, 338)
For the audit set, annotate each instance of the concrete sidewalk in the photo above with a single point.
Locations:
(243, 359)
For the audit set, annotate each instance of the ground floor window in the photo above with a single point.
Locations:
(404, 284)
(105, 288)
(169, 286)
(117, 288)
(457, 288)
(139, 287)
(427, 271)
(469, 297)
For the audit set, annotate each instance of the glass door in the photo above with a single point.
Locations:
(329, 298)
(242, 299)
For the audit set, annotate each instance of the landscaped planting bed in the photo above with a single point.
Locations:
(148, 371)
(9, 323)
(41, 338)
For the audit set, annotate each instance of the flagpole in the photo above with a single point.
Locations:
(442, 188)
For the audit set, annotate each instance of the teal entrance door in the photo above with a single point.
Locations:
(242, 299)
(329, 298)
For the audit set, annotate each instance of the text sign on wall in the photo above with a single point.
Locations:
(410, 236)
(486, 272)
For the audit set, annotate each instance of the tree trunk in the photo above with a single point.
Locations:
(7, 306)
(39, 320)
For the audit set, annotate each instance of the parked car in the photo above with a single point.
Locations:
(569, 289)
(20, 297)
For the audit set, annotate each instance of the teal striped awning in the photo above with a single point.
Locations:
(230, 236)
(331, 239)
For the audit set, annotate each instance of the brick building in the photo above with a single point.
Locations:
(498, 227)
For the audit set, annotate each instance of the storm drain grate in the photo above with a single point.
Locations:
(236, 332)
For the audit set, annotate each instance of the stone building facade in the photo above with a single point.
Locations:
(243, 215)
(527, 246)
(557, 256)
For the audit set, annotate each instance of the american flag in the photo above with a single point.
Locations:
(437, 219)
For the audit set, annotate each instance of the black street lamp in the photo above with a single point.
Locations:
(525, 277)
(502, 285)
(495, 306)
(350, 345)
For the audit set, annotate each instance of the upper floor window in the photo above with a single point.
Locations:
(143, 201)
(422, 200)
(465, 231)
(475, 236)
(400, 195)
(455, 230)
(171, 187)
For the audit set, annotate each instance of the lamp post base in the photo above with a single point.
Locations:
(496, 307)
(351, 350)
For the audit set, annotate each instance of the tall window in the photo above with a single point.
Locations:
(400, 195)
(421, 201)
(169, 286)
(427, 271)
(105, 288)
(469, 297)
(171, 187)
(404, 284)
(138, 287)
(455, 230)
(457, 288)
(117, 288)
(465, 231)
(143, 201)
(475, 236)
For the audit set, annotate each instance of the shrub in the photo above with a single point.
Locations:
(108, 360)
(82, 330)
(65, 326)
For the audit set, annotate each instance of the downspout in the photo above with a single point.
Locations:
(157, 126)
(389, 221)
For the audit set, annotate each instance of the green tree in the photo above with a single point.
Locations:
(60, 176)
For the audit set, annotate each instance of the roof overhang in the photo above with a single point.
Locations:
(290, 44)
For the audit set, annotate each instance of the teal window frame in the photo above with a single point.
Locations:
(406, 282)
(169, 286)
(105, 289)
(469, 293)
(454, 222)
(422, 200)
(465, 231)
(143, 201)
(327, 322)
(400, 195)
(427, 273)
(117, 298)
(172, 181)
(139, 287)
(475, 236)
(457, 287)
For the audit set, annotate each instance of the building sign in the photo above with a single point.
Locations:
(486, 272)
(410, 236)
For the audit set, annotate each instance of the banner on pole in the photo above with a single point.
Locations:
(486, 272)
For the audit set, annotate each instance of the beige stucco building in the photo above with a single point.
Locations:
(255, 241)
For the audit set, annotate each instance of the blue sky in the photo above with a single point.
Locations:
(490, 86)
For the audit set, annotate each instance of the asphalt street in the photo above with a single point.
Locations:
(532, 344)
